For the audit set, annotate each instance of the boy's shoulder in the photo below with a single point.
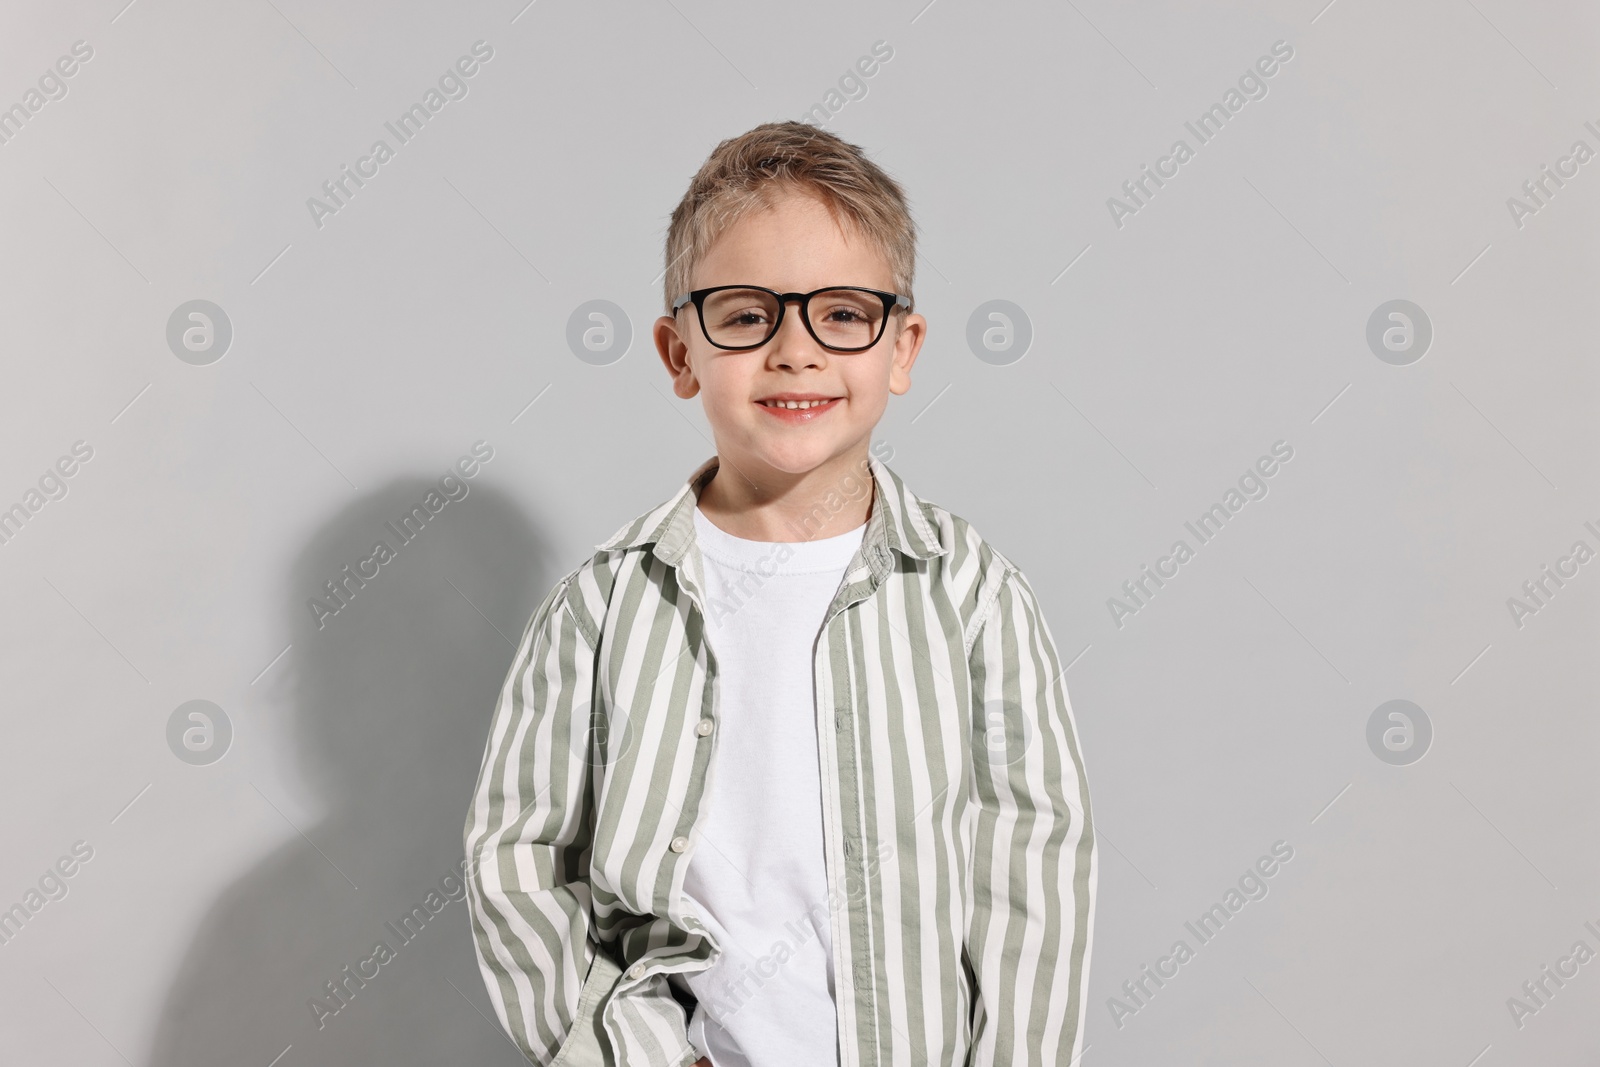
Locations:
(947, 548)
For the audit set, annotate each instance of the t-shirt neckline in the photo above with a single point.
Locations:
(776, 557)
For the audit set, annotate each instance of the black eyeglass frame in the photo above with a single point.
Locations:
(890, 302)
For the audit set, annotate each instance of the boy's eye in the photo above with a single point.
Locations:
(746, 317)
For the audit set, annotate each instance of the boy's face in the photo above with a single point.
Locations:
(794, 247)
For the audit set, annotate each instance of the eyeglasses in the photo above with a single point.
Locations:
(841, 318)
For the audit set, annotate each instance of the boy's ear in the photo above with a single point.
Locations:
(907, 343)
(675, 357)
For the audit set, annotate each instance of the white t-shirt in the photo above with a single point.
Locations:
(757, 876)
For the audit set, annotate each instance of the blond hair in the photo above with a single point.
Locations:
(756, 168)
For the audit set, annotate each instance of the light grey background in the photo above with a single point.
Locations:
(1168, 353)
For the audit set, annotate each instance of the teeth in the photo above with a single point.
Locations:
(799, 405)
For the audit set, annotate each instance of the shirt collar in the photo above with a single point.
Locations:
(898, 522)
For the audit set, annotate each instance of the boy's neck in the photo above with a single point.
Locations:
(827, 501)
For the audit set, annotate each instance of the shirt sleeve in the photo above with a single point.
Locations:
(527, 836)
(1031, 898)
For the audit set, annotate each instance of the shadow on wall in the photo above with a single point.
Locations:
(391, 702)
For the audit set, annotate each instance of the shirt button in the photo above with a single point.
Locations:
(703, 727)
(636, 970)
(680, 843)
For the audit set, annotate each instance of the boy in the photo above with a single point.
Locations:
(785, 774)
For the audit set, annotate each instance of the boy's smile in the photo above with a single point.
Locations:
(797, 407)
(791, 418)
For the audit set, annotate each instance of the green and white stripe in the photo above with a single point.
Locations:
(959, 849)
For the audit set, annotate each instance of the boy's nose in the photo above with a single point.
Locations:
(792, 345)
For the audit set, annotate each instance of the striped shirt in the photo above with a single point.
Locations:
(958, 839)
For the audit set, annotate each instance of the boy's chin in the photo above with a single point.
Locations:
(798, 459)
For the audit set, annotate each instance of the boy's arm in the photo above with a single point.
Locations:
(1033, 866)
(527, 837)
